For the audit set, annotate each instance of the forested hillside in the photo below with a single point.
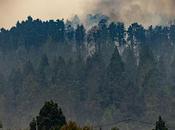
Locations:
(97, 74)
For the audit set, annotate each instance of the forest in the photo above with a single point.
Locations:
(98, 74)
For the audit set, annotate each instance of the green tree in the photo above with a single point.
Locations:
(94, 72)
(160, 124)
(136, 34)
(33, 125)
(112, 31)
(111, 89)
(147, 65)
(121, 33)
(50, 117)
(80, 33)
(116, 66)
(148, 82)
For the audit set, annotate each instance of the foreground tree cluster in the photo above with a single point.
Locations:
(51, 118)
(98, 74)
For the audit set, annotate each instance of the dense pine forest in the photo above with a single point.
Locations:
(98, 72)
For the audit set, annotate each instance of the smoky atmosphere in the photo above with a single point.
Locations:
(144, 11)
(87, 65)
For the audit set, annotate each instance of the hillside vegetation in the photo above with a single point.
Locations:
(97, 74)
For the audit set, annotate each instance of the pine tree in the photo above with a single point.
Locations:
(95, 68)
(112, 31)
(116, 66)
(80, 33)
(147, 65)
(112, 87)
(130, 61)
(160, 124)
(50, 117)
(121, 33)
(148, 81)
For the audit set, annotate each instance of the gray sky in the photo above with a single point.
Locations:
(143, 11)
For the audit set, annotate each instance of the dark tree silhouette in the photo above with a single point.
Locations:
(33, 125)
(80, 34)
(160, 124)
(50, 117)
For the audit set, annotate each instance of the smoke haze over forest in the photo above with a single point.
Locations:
(111, 67)
(144, 11)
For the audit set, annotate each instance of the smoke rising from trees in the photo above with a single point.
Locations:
(144, 11)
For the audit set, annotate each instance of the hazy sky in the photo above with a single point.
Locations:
(13, 10)
(143, 11)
